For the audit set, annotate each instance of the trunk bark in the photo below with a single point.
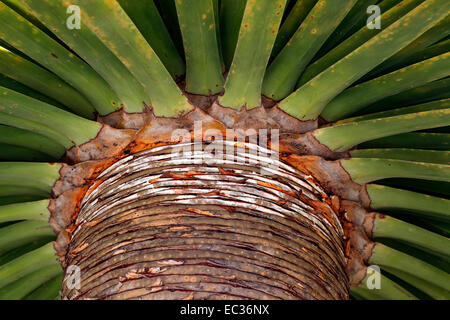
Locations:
(206, 221)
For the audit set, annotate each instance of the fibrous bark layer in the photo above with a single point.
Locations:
(197, 208)
(186, 221)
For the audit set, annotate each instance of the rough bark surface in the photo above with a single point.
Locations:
(185, 222)
(215, 204)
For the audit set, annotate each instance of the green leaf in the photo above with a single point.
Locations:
(147, 19)
(283, 72)
(17, 153)
(298, 13)
(391, 228)
(23, 138)
(364, 94)
(11, 190)
(14, 198)
(387, 257)
(203, 63)
(430, 289)
(231, 13)
(383, 197)
(21, 233)
(431, 156)
(344, 136)
(47, 291)
(306, 104)
(20, 288)
(433, 105)
(356, 40)
(436, 90)
(41, 176)
(18, 7)
(415, 49)
(23, 89)
(128, 44)
(36, 44)
(364, 170)
(16, 253)
(389, 290)
(44, 82)
(75, 128)
(256, 38)
(28, 263)
(418, 140)
(355, 20)
(85, 43)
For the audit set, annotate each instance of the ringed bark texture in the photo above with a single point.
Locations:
(187, 221)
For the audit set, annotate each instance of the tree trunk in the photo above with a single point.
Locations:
(185, 222)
